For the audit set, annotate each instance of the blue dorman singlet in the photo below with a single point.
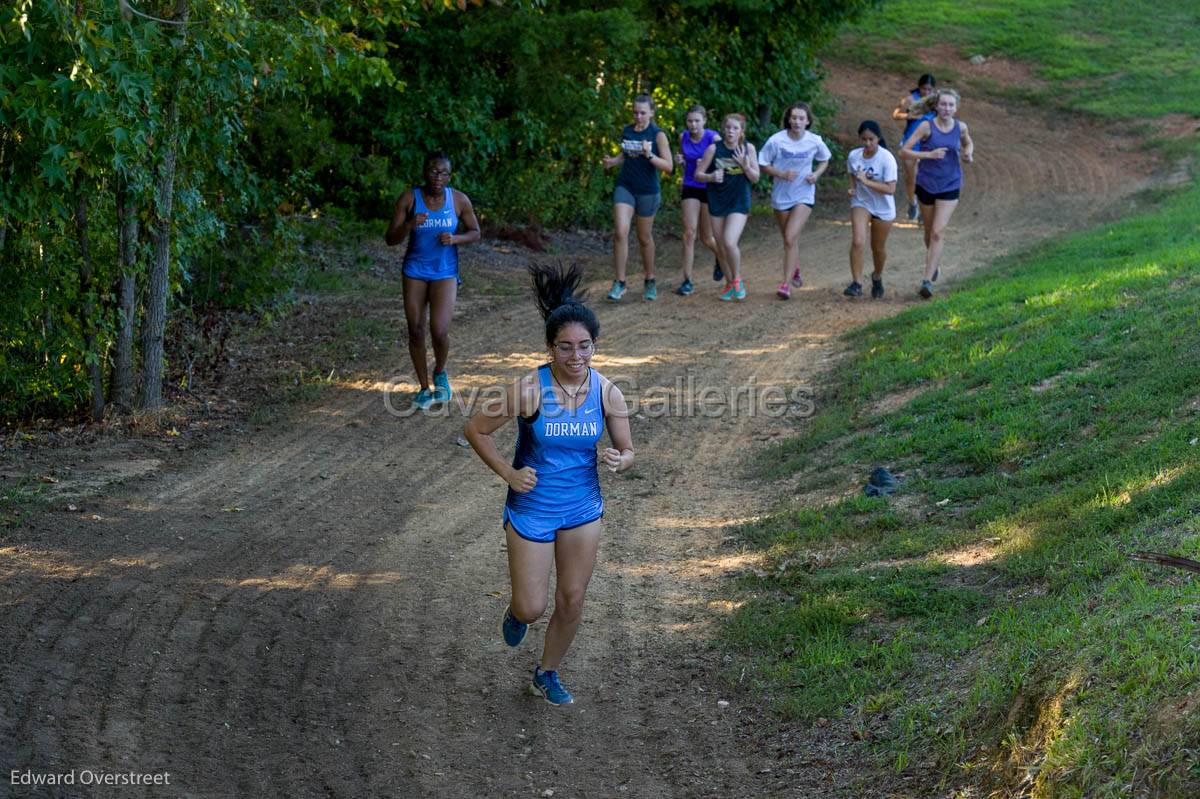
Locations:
(560, 444)
(426, 257)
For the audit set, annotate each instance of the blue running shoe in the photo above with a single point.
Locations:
(546, 685)
(718, 272)
(617, 291)
(685, 288)
(651, 292)
(441, 387)
(512, 630)
(423, 400)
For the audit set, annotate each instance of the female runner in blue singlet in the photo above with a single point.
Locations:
(552, 516)
(906, 111)
(430, 217)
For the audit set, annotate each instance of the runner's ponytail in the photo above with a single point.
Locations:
(556, 292)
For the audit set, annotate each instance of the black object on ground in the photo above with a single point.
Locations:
(880, 484)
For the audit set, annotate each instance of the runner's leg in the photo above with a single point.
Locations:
(574, 559)
(442, 294)
(416, 294)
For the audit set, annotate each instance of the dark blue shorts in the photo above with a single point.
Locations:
(543, 527)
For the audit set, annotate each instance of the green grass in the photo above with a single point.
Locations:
(18, 501)
(1110, 57)
(987, 617)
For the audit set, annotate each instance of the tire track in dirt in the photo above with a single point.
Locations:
(344, 622)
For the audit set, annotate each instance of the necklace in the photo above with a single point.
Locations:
(570, 396)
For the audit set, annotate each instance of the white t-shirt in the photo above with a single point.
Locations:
(785, 153)
(880, 167)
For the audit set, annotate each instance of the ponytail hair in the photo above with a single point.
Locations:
(873, 126)
(555, 290)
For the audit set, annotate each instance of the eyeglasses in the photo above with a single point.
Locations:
(566, 348)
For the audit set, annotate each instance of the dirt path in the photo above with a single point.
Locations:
(313, 611)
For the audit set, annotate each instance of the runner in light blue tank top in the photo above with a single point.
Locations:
(427, 258)
(560, 444)
(926, 85)
(552, 515)
(431, 269)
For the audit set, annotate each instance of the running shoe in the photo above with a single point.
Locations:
(739, 292)
(423, 400)
(912, 210)
(926, 289)
(512, 630)
(650, 293)
(728, 293)
(546, 685)
(784, 292)
(797, 281)
(685, 288)
(617, 291)
(876, 288)
(441, 387)
(718, 273)
(853, 290)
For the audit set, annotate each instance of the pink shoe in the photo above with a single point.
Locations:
(797, 281)
(784, 292)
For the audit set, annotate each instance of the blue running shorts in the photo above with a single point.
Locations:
(543, 527)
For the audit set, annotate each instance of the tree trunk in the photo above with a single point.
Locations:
(150, 393)
(127, 234)
(87, 287)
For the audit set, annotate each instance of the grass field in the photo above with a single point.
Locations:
(1109, 57)
(985, 625)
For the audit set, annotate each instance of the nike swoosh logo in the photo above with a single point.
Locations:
(589, 410)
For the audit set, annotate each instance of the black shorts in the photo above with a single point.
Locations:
(925, 198)
(693, 193)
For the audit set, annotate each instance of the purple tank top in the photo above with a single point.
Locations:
(692, 151)
(936, 176)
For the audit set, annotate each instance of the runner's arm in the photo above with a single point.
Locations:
(662, 161)
(919, 134)
(403, 220)
(877, 186)
(467, 220)
(968, 144)
(750, 164)
(618, 457)
(701, 174)
(900, 113)
(519, 399)
(819, 169)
